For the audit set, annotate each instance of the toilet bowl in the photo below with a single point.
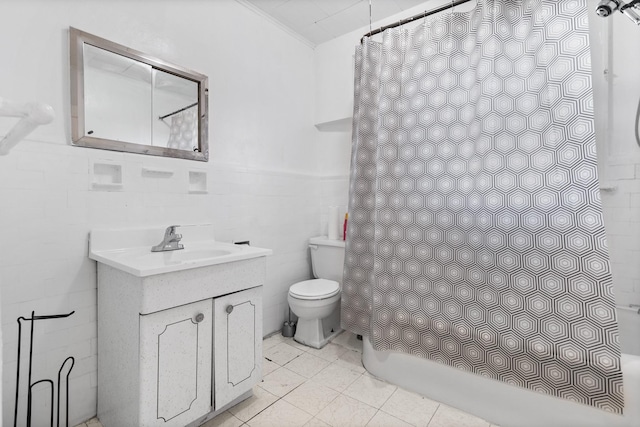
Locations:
(313, 301)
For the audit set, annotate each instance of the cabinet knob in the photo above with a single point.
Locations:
(199, 317)
(229, 309)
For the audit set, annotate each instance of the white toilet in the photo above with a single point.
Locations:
(318, 300)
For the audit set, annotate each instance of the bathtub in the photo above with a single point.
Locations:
(501, 403)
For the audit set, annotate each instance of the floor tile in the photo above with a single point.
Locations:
(410, 407)
(281, 414)
(381, 419)
(93, 422)
(281, 381)
(273, 340)
(293, 343)
(352, 360)
(346, 411)
(281, 353)
(268, 367)
(307, 365)
(369, 374)
(316, 423)
(336, 377)
(447, 416)
(329, 352)
(348, 340)
(311, 397)
(371, 391)
(250, 407)
(225, 419)
(302, 398)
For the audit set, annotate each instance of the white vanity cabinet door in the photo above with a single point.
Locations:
(175, 364)
(237, 344)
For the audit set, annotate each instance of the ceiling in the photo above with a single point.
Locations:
(321, 20)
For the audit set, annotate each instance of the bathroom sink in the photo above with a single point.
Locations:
(186, 254)
(130, 251)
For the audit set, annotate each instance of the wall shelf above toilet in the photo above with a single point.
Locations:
(340, 125)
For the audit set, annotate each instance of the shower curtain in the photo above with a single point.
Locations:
(475, 228)
(183, 133)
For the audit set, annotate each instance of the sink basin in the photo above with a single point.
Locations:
(186, 254)
(130, 251)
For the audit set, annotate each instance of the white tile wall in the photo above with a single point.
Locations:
(616, 96)
(271, 178)
(264, 182)
(47, 269)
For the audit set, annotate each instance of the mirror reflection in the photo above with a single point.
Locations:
(124, 100)
(175, 107)
(117, 97)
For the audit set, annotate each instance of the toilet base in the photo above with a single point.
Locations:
(309, 332)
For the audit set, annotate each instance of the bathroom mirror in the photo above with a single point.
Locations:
(125, 100)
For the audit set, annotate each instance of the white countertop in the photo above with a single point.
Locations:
(129, 250)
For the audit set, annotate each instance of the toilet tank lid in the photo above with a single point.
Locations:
(325, 241)
(315, 288)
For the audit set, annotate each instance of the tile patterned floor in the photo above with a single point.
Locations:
(303, 386)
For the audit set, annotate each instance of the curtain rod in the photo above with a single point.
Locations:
(414, 17)
(177, 111)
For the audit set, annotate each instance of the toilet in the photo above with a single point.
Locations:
(316, 302)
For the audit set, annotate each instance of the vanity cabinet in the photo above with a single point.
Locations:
(175, 355)
(237, 344)
(176, 349)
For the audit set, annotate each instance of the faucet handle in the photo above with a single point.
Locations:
(170, 242)
(171, 230)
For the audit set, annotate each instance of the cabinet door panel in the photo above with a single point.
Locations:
(175, 364)
(237, 344)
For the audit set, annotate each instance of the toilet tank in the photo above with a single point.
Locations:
(327, 258)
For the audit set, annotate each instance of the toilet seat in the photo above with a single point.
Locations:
(314, 289)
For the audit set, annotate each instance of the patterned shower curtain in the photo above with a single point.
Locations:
(475, 227)
(183, 133)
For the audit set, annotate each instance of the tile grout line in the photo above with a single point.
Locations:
(439, 405)
(291, 391)
(282, 397)
(434, 413)
(264, 409)
(339, 393)
(388, 398)
(380, 408)
(331, 362)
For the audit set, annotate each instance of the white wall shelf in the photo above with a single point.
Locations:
(197, 182)
(151, 171)
(340, 125)
(106, 175)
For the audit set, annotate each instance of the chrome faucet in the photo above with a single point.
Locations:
(171, 241)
